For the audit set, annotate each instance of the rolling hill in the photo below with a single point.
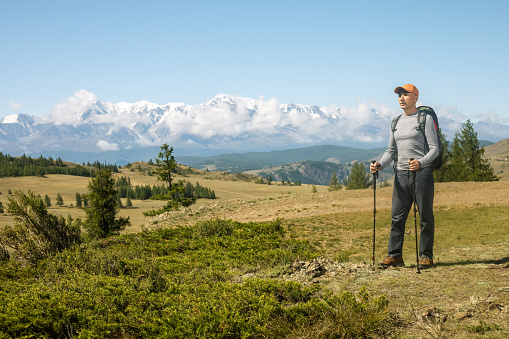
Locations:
(242, 162)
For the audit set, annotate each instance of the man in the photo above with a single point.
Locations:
(407, 142)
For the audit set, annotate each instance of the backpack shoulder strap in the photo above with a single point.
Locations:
(395, 122)
(421, 120)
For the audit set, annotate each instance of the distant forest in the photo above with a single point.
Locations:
(143, 192)
(27, 166)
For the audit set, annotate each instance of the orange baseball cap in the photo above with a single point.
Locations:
(409, 88)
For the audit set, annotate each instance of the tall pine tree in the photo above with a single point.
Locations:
(467, 158)
(101, 213)
(166, 164)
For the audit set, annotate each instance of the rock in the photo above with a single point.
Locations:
(460, 315)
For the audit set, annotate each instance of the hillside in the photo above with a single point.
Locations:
(241, 162)
(498, 156)
(497, 150)
(312, 172)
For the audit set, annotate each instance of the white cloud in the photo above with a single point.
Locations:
(449, 112)
(15, 105)
(491, 117)
(274, 122)
(69, 112)
(106, 146)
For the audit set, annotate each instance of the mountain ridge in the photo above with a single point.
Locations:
(225, 124)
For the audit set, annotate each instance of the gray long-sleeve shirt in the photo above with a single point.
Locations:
(407, 142)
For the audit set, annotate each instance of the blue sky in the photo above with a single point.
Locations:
(307, 52)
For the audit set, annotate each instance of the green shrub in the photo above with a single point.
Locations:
(179, 283)
(483, 327)
(36, 233)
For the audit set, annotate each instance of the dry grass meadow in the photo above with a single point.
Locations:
(465, 296)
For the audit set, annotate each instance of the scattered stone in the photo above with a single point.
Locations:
(485, 306)
(460, 315)
(433, 316)
(306, 271)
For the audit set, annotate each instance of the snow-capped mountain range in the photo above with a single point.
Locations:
(224, 124)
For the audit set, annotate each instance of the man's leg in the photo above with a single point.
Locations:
(425, 189)
(401, 203)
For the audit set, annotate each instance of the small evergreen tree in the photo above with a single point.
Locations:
(119, 201)
(84, 199)
(467, 158)
(60, 200)
(128, 202)
(334, 184)
(78, 200)
(47, 201)
(101, 219)
(358, 178)
(313, 189)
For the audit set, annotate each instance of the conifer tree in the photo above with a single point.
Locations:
(119, 201)
(128, 202)
(78, 200)
(334, 184)
(467, 158)
(84, 199)
(167, 164)
(47, 201)
(101, 213)
(358, 178)
(60, 200)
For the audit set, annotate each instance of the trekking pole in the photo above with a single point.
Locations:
(415, 222)
(375, 176)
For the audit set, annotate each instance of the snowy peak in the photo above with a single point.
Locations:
(226, 122)
(222, 99)
(22, 119)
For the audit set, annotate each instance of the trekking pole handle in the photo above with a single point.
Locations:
(412, 159)
(375, 174)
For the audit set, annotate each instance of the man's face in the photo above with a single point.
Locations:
(406, 99)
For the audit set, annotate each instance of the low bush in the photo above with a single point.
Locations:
(183, 282)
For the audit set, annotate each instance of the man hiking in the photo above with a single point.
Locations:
(407, 142)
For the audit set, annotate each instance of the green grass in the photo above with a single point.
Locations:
(472, 268)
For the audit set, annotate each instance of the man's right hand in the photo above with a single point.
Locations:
(374, 167)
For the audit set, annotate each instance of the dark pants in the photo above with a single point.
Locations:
(402, 203)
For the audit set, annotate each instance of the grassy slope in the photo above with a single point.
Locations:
(471, 243)
(498, 155)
